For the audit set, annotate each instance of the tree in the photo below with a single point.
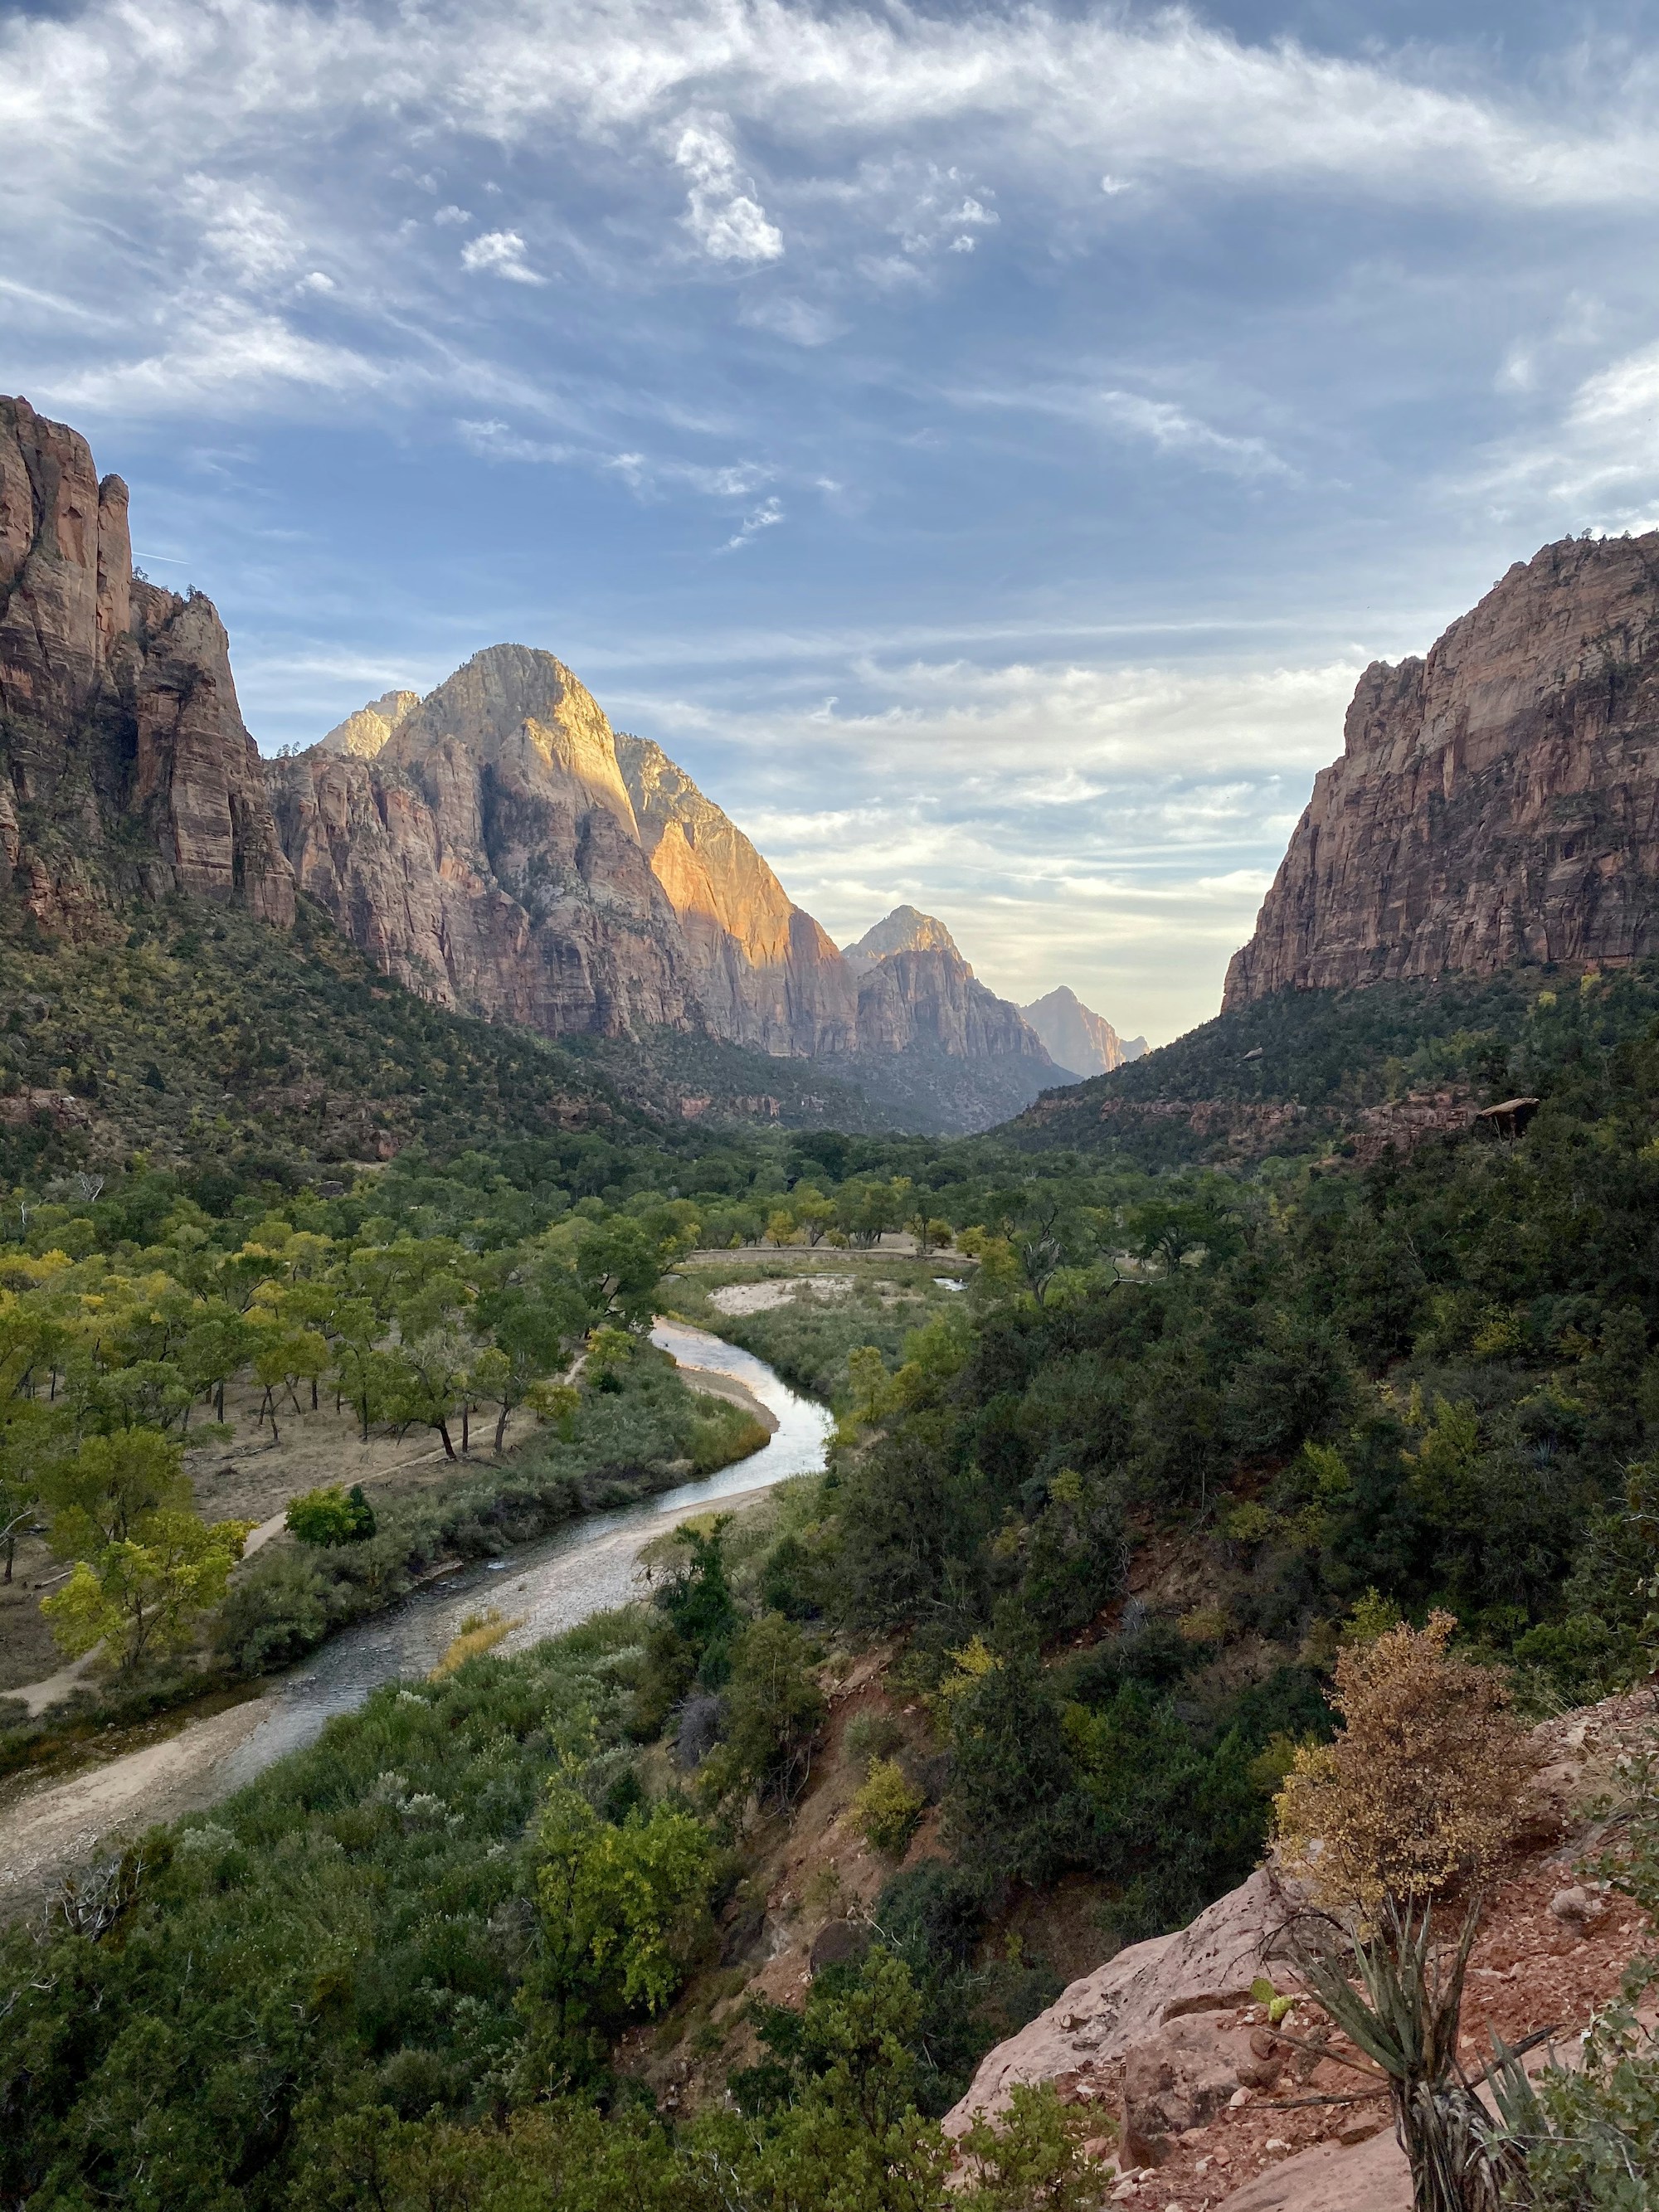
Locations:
(110, 1485)
(143, 1595)
(774, 1710)
(622, 1911)
(331, 1515)
(528, 1335)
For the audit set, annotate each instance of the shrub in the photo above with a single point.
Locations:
(1418, 1793)
(888, 1808)
(331, 1515)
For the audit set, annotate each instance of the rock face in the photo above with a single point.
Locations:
(1077, 1037)
(1498, 802)
(499, 848)
(362, 735)
(766, 975)
(1138, 1996)
(128, 768)
(916, 990)
(905, 930)
(488, 854)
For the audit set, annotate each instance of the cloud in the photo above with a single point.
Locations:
(1172, 430)
(500, 253)
(799, 321)
(221, 355)
(450, 216)
(726, 221)
(766, 516)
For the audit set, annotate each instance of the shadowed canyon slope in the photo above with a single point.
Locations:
(1498, 802)
(128, 767)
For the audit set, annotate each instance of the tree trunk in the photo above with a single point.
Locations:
(466, 1431)
(443, 1431)
(500, 1430)
(313, 1395)
(218, 1401)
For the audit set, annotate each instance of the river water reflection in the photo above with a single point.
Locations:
(588, 1567)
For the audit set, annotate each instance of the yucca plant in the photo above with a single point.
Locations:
(1397, 1995)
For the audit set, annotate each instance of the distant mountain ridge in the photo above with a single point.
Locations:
(499, 848)
(1078, 1038)
(905, 930)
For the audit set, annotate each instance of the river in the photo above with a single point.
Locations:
(587, 1567)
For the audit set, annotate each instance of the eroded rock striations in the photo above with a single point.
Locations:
(1498, 802)
(499, 847)
(488, 854)
(1077, 1037)
(128, 768)
(766, 974)
(916, 990)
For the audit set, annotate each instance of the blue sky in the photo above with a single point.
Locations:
(982, 445)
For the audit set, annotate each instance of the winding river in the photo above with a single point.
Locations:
(587, 1567)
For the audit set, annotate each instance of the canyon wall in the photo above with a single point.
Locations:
(499, 847)
(127, 768)
(488, 855)
(766, 976)
(1497, 802)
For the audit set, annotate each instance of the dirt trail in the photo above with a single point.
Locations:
(51, 1825)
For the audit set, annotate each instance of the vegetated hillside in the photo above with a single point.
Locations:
(1302, 1070)
(208, 1041)
(1101, 1536)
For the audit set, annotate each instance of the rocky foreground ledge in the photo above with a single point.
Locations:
(1167, 2040)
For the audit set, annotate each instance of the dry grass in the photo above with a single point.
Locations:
(479, 1633)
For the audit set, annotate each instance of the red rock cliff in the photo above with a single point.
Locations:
(1498, 802)
(117, 707)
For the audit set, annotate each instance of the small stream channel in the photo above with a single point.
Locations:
(588, 1567)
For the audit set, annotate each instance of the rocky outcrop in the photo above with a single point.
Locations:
(905, 930)
(1498, 802)
(498, 847)
(488, 855)
(127, 766)
(364, 734)
(765, 973)
(1077, 1037)
(1145, 1987)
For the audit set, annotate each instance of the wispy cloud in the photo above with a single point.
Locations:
(766, 516)
(500, 253)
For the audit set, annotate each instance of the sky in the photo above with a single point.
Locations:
(982, 445)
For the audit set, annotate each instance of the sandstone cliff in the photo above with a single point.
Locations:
(906, 929)
(488, 854)
(766, 974)
(127, 766)
(1498, 802)
(916, 990)
(1078, 1038)
(364, 734)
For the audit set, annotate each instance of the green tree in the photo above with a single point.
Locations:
(621, 1911)
(773, 1710)
(110, 1485)
(143, 1596)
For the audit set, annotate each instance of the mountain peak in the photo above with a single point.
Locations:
(906, 929)
(1076, 1036)
(367, 733)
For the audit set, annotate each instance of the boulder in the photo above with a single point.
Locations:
(1207, 1965)
(1181, 2076)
